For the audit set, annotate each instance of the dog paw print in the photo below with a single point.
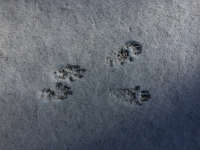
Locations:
(126, 54)
(70, 73)
(133, 95)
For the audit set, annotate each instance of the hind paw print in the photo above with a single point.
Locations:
(61, 90)
(48, 94)
(70, 73)
(134, 47)
(132, 95)
(126, 54)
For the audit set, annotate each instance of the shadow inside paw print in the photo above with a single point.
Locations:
(126, 54)
(70, 73)
(144, 95)
(132, 95)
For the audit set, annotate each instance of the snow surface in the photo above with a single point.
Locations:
(45, 105)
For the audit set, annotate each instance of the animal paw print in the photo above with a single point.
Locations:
(134, 47)
(70, 73)
(126, 54)
(61, 90)
(48, 94)
(132, 95)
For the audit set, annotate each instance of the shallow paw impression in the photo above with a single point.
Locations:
(60, 89)
(133, 47)
(48, 94)
(126, 54)
(70, 73)
(133, 95)
(59, 92)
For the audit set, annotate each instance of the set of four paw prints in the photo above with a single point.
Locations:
(71, 73)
